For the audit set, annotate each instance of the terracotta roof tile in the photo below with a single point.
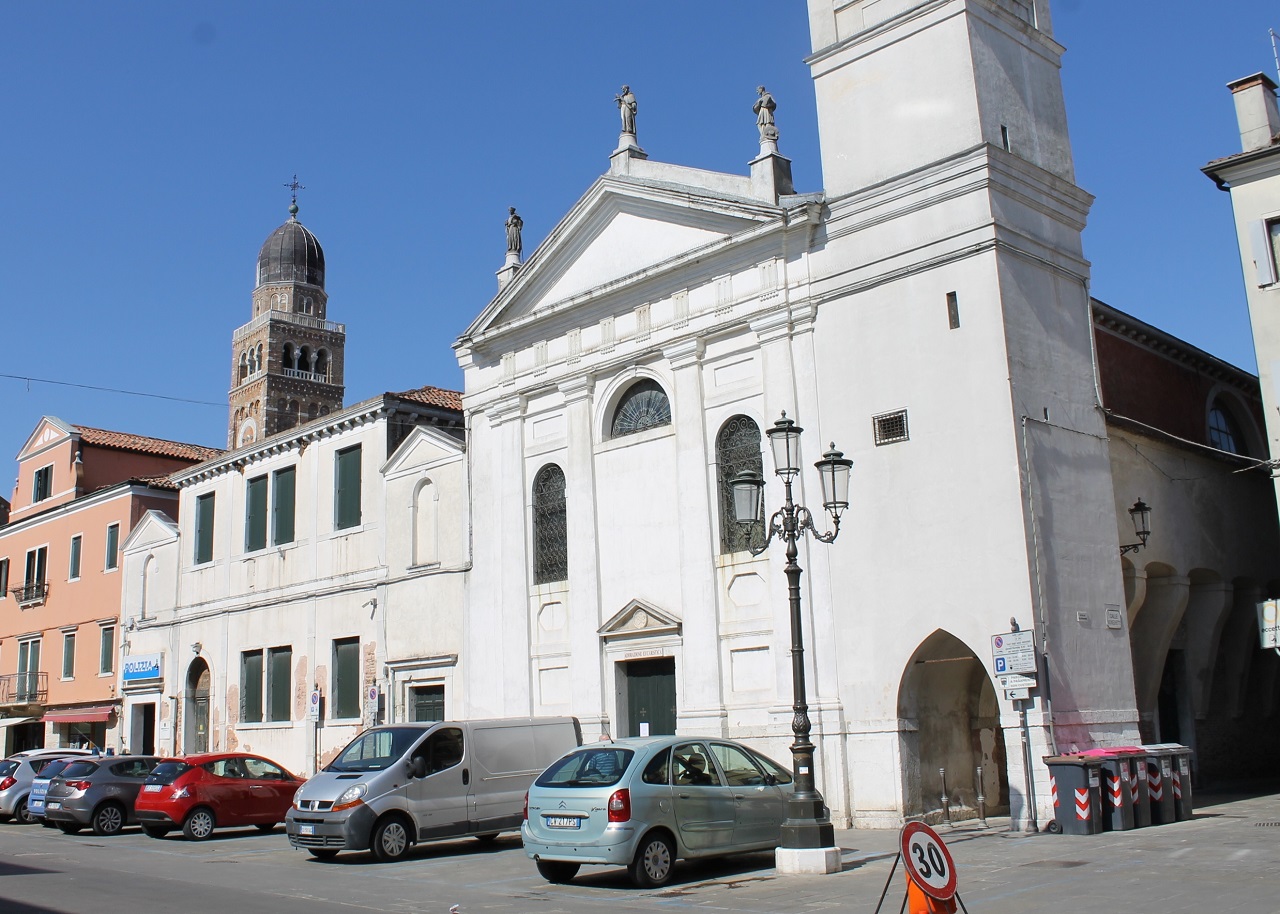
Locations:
(434, 396)
(123, 441)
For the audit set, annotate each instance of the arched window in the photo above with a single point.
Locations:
(643, 406)
(550, 526)
(1224, 432)
(322, 362)
(426, 506)
(737, 449)
(244, 365)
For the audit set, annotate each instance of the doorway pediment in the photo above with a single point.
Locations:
(640, 618)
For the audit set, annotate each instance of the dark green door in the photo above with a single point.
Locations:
(651, 696)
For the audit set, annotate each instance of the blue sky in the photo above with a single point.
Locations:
(145, 145)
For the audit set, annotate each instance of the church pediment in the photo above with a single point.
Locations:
(621, 229)
(640, 618)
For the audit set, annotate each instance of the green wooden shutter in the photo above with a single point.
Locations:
(346, 678)
(113, 547)
(346, 509)
(283, 497)
(280, 659)
(74, 571)
(251, 686)
(255, 515)
(204, 529)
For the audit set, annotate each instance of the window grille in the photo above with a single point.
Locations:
(644, 406)
(890, 427)
(737, 449)
(550, 526)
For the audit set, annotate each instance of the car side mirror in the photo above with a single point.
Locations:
(418, 767)
(771, 780)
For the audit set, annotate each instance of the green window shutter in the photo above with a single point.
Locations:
(346, 501)
(278, 691)
(113, 547)
(68, 655)
(346, 678)
(255, 515)
(73, 571)
(204, 529)
(283, 498)
(107, 658)
(251, 686)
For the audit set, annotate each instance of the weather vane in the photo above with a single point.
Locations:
(294, 186)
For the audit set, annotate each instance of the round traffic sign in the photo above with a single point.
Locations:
(929, 863)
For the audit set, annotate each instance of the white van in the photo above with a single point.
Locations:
(396, 785)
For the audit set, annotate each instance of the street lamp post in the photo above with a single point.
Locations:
(807, 825)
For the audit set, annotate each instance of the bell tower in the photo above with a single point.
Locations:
(287, 362)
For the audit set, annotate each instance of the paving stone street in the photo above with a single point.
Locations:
(1225, 859)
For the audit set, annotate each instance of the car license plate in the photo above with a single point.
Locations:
(306, 829)
(563, 822)
(151, 788)
(52, 805)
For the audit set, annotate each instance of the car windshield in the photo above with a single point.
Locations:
(597, 766)
(54, 768)
(7, 767)
(79, 769)
(167, 772)
(375, 750)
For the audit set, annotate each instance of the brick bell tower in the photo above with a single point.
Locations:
(287, 362)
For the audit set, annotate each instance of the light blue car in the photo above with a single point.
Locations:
(643, 803)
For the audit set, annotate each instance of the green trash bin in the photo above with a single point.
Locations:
(1160, 783)
(1117, 790)
(1075, 782)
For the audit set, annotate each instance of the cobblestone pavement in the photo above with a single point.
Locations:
(1227, 858)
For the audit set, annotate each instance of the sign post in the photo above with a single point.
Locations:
(1014, 657)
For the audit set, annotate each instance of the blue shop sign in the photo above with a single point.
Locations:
(140, 667)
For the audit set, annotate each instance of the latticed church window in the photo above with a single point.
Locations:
(737, 449)
(550, 526)
(643, 406)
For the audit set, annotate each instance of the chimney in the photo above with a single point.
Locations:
(1256, 110)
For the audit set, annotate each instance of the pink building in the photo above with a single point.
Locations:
(78, 495)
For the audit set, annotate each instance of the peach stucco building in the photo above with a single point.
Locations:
(78, 494)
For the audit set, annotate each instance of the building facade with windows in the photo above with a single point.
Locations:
(79, 494)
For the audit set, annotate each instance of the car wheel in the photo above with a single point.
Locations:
(108, 820)
(322, 853)
(557, 871)
(390, 840)
(70, 828)
(488, 837)
(23, 815)
(653, 861)
(199, 824)
(155, 831)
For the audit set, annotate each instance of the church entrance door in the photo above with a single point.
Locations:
(650, 695)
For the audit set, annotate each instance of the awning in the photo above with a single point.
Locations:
(87, 714)
(14, 721)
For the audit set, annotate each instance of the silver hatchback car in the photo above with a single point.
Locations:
(642, 803)
(16, 776)
(99, 792)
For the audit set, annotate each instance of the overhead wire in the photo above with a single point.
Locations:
(110, 390)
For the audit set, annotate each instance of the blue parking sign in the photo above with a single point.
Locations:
(1000, 665)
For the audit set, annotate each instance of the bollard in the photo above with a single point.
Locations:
(946, 809)
(982, 801)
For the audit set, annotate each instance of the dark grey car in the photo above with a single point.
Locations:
(98, 792)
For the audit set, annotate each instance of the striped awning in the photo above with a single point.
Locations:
(14, 721)
(82, 715)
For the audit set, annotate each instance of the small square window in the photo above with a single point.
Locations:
(890, 427)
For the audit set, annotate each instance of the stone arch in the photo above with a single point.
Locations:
(244, 366)
(950, 720)
(322, 362)
(150, 567)
(1153, 623)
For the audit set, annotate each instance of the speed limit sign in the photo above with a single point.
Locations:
(929, 863)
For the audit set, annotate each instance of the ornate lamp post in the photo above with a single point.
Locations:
(1141, 515)
(807, 824)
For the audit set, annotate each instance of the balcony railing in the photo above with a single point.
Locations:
(31, 594)
(24, 688)
(306, 375)
(288, 317)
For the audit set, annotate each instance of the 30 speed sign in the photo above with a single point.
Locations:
(929, 863)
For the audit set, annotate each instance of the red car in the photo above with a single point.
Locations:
(199, 793)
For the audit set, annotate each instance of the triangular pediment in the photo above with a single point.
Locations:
(423, 448)
(640, 618)
(622, 229)
(48, 431)
(153, 529)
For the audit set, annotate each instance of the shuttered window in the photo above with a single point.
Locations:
(255, 514)
(251, 686)
(73, 568)
(279, 694)
(113, 548)
(346, 678)
(204, 529)
(283, 496)
(346, 496)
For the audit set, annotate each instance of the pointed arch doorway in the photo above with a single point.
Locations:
(951, 719)
(195, 737)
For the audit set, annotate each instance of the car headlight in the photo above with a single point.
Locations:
(352, 796)
(296, 794)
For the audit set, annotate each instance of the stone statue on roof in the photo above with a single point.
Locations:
(627, 108)
(514, 225)
(764, 108)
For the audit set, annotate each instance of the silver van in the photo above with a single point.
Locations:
(396, 785)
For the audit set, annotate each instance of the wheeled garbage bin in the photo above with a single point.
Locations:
(1180, 785)
(1117, 790)
(1077, 796)
(1138, 785)
(1160, 784)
